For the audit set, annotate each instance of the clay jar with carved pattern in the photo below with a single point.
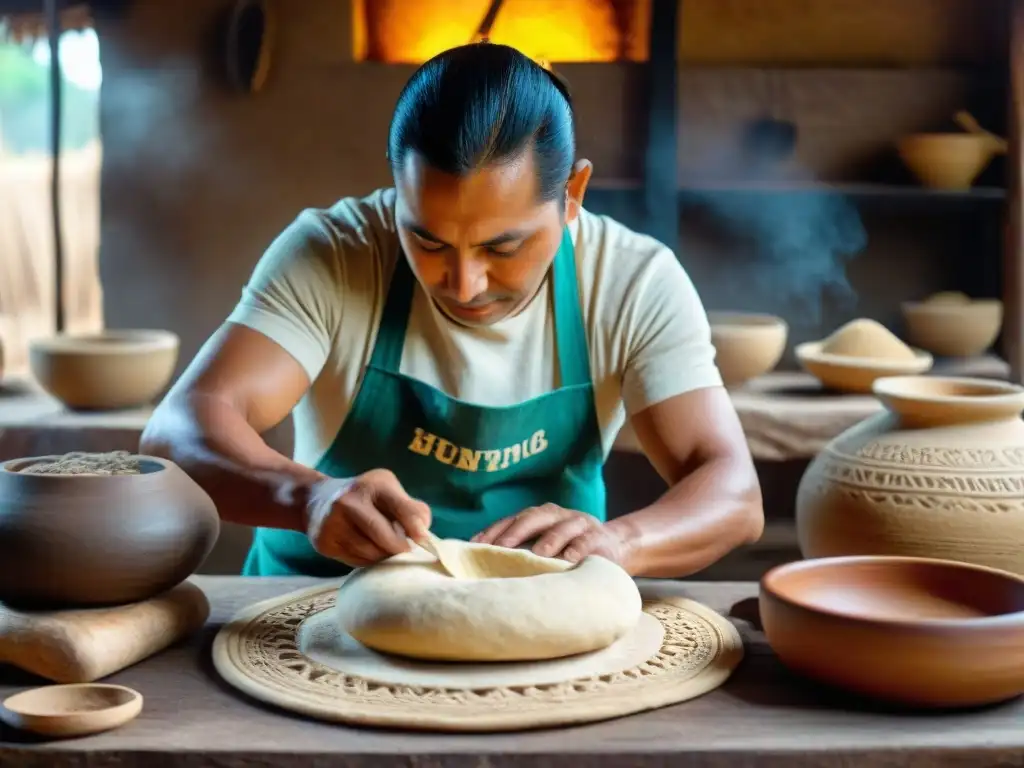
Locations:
(939, 473)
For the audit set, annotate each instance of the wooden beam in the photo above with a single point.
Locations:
(1013, 254)
(661, 182)
(53, 28)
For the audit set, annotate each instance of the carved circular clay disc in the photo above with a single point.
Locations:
(286, 652)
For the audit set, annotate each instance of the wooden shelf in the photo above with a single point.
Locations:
(786, 415)
(850, 189)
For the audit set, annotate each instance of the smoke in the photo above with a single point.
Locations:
(151, 115)
(796, 248)
(790, 239)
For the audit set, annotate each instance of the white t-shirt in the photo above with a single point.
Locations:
(319, 291)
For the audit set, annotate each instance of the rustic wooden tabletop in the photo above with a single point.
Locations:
(762, 717)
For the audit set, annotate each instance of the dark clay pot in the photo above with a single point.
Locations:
(87, 540)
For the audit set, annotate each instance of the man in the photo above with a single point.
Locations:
(459, 353)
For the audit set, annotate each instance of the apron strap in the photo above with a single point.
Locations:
(570, 333)
(394, 320)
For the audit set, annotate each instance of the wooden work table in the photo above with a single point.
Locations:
(762, 717)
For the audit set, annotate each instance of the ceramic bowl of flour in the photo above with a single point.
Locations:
(99, 529)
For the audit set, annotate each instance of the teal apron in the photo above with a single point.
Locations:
(473, 465)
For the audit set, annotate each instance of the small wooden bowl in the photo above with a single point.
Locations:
(855, 374)
(747, 345)
(911, 631)
(953, 330)
(66, 711)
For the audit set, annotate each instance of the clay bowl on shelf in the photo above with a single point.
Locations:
(844, 373)
(953, 329)
(74, 540)
(105, 371)
(909, 631)
(950, 161)
(747, 345)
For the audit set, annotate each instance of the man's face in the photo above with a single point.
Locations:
(481, 244)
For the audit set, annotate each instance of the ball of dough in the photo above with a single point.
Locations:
(531, 608)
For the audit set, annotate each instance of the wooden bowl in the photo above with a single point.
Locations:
(953, 330)
(947, 160)
(911, 631)
(855, 374)
(109, 370)
(747, 345)
(86, 540)
(66, 711)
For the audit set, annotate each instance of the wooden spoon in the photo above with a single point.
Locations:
(65, 711)
(966, 121)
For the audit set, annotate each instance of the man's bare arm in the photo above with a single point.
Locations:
(713, 504)
(240, 385)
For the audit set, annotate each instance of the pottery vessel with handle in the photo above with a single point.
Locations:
(87, 540)
(939, 473)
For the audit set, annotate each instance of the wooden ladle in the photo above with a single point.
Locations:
(66, 711)
(966, 121)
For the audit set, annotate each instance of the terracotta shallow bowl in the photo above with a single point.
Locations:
(855, 374)
(910, 631)
(88, 540)
(747, 345)
(110, 370)
(66, 711)
(953, 330)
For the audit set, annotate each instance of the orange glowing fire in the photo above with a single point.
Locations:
(411, 31)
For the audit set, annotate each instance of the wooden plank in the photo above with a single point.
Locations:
(906, 33)
(1013, 256)
(661, 181)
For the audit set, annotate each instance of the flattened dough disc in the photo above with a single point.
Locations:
(259, 653)
(511, 605)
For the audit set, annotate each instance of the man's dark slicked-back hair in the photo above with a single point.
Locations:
(479, 104)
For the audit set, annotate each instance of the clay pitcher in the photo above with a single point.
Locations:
(939, 473)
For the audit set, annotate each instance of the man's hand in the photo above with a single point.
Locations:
(363, 520)
(559, 533)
